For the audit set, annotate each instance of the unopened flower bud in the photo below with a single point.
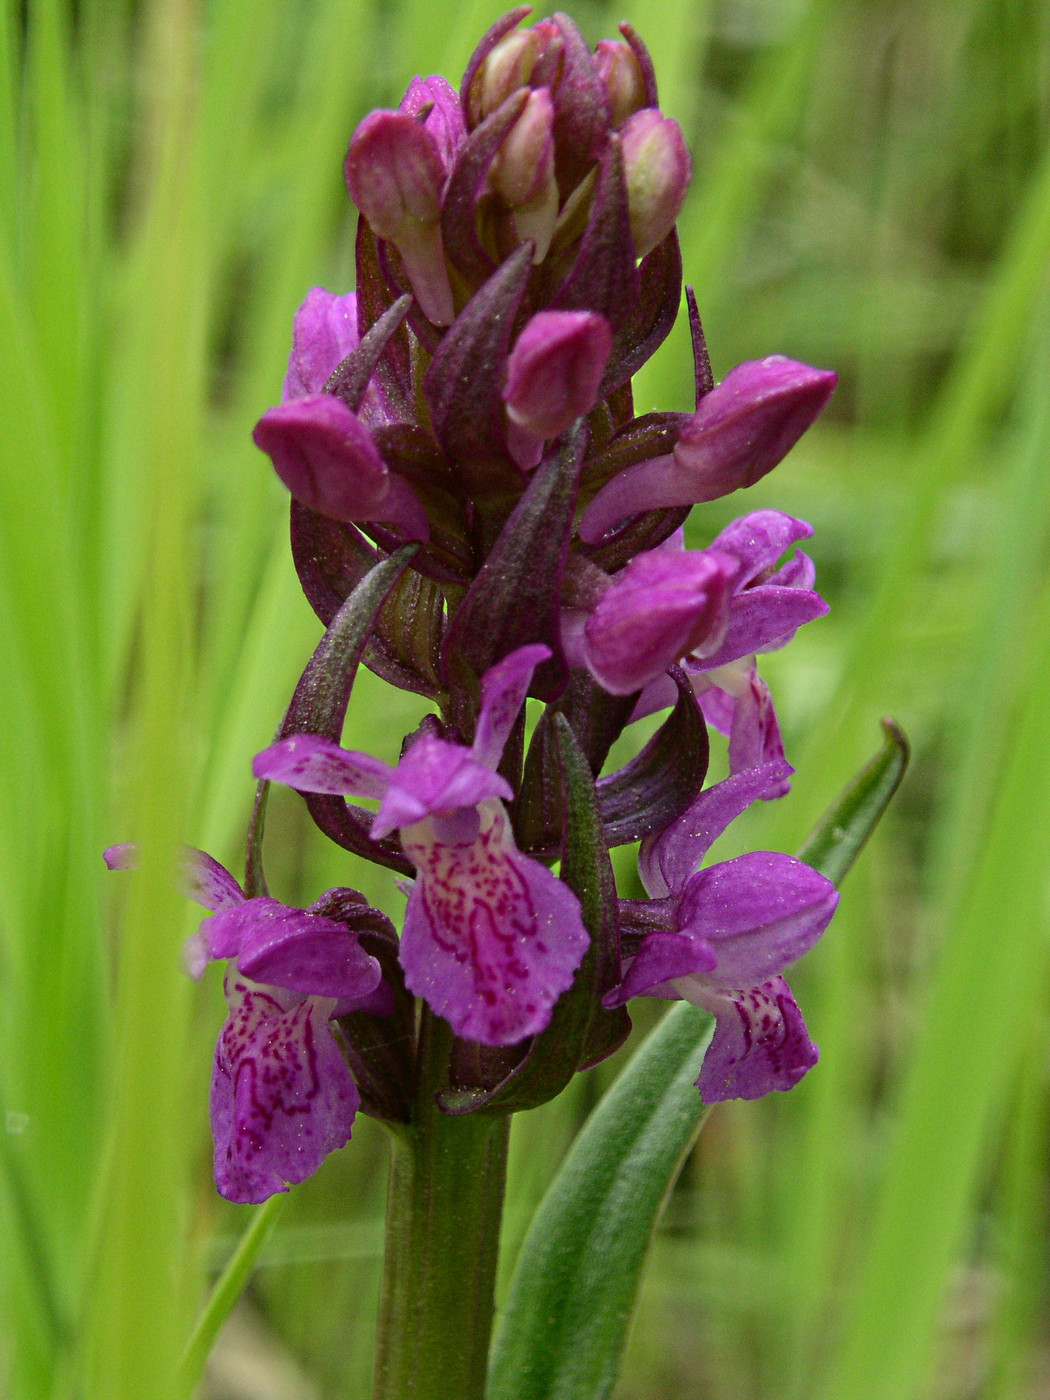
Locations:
(326, 457)
(507, 68)
(395, 177)
(622, 75)
(662, 607)
(553, 374)
(742, 429)
(522, 173)
(657, 169)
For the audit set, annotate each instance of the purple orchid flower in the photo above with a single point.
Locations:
(766, 607)
(721, 938)
(282, 1095)
(739, 432)
(491, 937)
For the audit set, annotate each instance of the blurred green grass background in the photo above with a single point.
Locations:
(871, 193)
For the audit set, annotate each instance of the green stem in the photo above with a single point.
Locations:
(444, 1206)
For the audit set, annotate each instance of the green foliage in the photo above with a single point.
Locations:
(872, 192)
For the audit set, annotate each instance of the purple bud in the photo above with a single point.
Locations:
(444, 122)
(507, 67)
(326, 457)
(622, 75)
(657, 169)
(395, 177)
(742, 429)
(522, 173)
(553, 374)
(324, 332)
(663, 606)
(751, 421)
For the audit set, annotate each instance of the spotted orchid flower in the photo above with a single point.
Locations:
(491, 937)
(282, 1095)
(721, 937)
(766, 607)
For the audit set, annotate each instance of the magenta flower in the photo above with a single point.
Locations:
(666, 604)
(765, 608)
(491, 937)
(722, 937)
(282, 1096)
(739, 432)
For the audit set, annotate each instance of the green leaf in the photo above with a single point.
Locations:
(839, 837)
(228, 1288)
(572, 1296)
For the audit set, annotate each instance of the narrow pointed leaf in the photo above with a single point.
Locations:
(651, 318)
(566, 1319)
(466, 183)
(463, 382)
(515, 598)
(319, 703)
(350, 377)
(839, 837)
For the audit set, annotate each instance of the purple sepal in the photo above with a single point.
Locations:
(491, 938)
(291, 948)
(760, 1043)
(737, 701)
(323, 334)
(314, 763)
(758, 539)
(663, 956)
(503, 691)
(663, 606)
(667, 859)
(282, 1096)
(444, 122)
(436, 777)
(763, 619)
(759, 913)
(583, 113)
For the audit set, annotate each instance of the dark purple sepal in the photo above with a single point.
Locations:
(331, 559)
(350, 377)
(659, 784)
(645, 62)
(643, 533)
(464, 381)
(516, 597)
(703, 374)
(318, 706)
(603, 276)
(582, 112)
(380, 1049)
(651, 317)
(487, 43)
(652, 435)
(466, 185)
(394, 369)
(581, 1032)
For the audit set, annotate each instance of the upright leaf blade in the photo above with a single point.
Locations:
(572, 1296)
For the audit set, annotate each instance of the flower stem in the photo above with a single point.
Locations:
(444, 1206)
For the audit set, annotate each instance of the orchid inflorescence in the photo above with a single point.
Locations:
(478, 514)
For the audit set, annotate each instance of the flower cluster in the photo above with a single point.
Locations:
(478, 514)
